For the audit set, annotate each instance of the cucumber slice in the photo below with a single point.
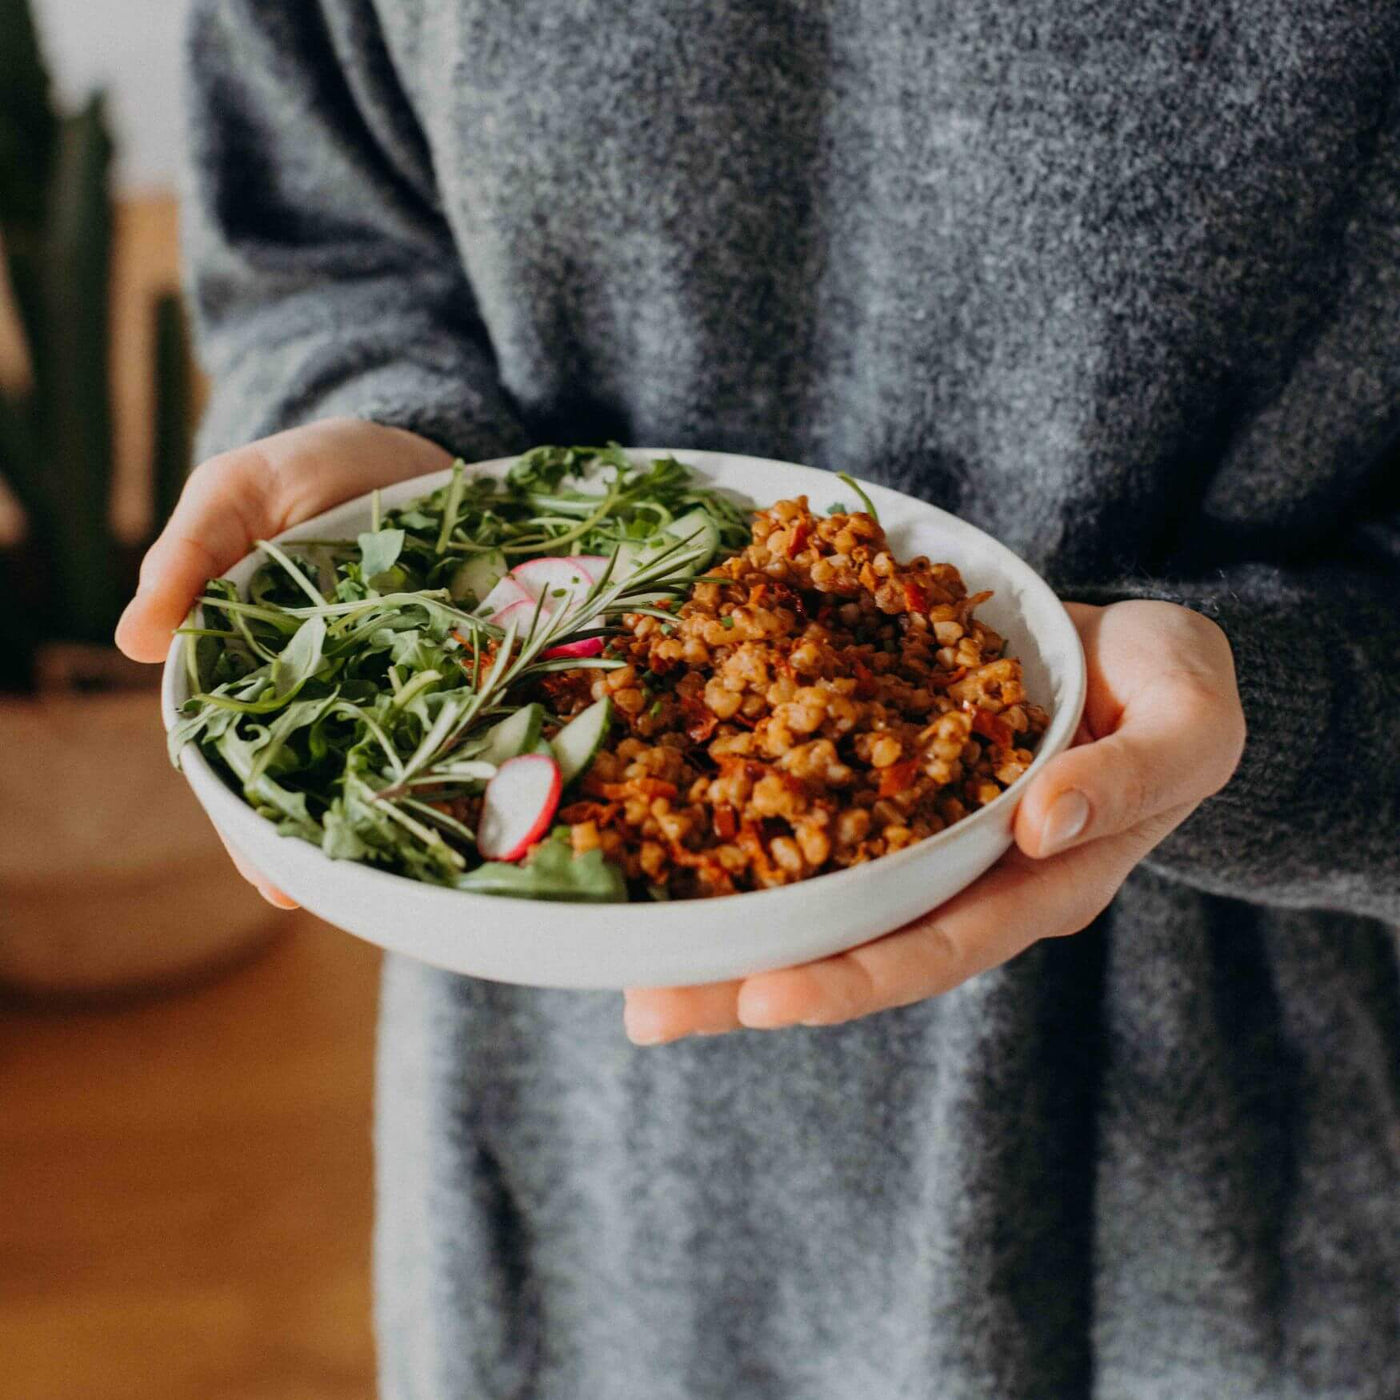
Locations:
(629, 555)
(698, 527)
(476, 576)
(514, 735)
(575, 745)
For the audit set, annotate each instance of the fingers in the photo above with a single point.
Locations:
(652, 1015)
(252, 493)
(1170, 730)
(1017, 903)
(271, 893)
(228, 502)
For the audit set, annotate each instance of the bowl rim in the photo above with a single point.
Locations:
(210, 787)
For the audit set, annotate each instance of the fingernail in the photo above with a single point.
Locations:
(758, 1013)
(643, 1027)
(1066, 819)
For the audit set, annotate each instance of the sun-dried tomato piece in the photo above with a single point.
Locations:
(944, 681)
(915, 599)
(992, 727)
(898, 776)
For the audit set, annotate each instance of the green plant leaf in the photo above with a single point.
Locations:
(379, 551)
(298, 661)
(299, 715)
(550, 871)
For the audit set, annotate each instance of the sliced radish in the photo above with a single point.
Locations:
(589, 646)
(592, 564)
(556, 578)
(501, 596)
(521, 613)
(519, 803)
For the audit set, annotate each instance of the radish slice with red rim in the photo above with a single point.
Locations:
(502, 595)
(519, 804)
(591, 564)
(522, 614)
(589, 646)
(556, 578)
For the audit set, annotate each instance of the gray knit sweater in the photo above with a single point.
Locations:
(1118, 282)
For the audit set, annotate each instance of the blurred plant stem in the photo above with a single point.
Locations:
(56, 430)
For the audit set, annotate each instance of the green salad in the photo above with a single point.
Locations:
(361, 686)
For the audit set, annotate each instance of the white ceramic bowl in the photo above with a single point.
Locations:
(686, 941)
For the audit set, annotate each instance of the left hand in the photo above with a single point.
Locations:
(1163, 730)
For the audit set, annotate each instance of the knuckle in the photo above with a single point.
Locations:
(246, 473)
(1213, 711)
(1236, 737)
(1135, 794)
(945, 960)
(859, 988)
(1196, 698)
(1082, 916)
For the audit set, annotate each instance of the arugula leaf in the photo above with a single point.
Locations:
(379, 551)
(300, 715)
(550, 871)
(269, 798)
(297, 662)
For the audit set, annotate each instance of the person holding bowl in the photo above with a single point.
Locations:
(1121, 289)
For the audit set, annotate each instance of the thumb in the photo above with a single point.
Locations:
(253, 493)
(226, 504)
(1176, 743)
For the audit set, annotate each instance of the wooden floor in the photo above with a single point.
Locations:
(185, 1187)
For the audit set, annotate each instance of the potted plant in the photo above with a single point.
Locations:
(109, 875)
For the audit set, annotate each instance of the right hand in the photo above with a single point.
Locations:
(253, 493)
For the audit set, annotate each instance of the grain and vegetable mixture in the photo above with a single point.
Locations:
(816, 703)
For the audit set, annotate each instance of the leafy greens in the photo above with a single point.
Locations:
(348, 696)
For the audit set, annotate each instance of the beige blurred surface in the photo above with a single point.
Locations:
(128, 887)
(186, 1187)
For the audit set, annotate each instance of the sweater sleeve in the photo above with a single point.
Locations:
(323, 277)
(1312, 815)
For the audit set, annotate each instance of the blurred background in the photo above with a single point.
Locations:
(184, 1072)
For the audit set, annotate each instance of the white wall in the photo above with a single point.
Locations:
(131, 48)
